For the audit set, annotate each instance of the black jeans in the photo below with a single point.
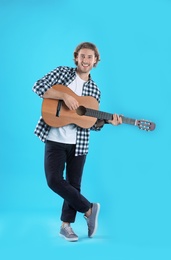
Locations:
(58, 158)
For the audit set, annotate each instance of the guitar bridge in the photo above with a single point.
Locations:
(58, 108)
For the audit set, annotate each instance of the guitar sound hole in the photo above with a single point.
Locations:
(81, 110)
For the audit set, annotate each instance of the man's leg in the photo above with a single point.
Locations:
(55, 158)
(74, 171)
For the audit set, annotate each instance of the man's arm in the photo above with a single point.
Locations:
(70, 101)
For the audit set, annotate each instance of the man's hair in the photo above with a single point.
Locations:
(87, 45)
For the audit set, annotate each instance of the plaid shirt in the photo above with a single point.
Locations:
(65, 75)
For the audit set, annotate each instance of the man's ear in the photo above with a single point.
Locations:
(95, 62)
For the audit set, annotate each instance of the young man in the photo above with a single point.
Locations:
(66, 147)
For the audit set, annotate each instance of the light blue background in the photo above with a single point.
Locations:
(127, 170)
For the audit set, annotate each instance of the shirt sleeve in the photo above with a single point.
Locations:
(43, 84)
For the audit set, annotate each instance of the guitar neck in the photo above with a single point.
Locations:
(129, 121)
(98, 114)
(107, 116)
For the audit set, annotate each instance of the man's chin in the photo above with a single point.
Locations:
(85, 69)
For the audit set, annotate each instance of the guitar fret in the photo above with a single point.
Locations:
(98, 114)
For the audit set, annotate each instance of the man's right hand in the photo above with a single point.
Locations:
(70, 102)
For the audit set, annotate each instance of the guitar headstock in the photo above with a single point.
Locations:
(145, 125)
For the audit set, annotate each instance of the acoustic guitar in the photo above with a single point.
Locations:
(56, 114)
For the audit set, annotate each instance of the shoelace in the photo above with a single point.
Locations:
(69, 230)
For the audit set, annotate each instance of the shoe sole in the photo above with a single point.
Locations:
(96, 222)
(69, 239)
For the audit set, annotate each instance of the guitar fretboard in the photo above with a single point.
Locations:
(107, 116)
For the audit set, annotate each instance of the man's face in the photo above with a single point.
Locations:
(86, 60)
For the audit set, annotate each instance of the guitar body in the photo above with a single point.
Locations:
(56, 114)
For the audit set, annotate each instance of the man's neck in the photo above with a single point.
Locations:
(83, 76)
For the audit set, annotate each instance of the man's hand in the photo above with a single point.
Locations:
(70, 102)
(117, 120)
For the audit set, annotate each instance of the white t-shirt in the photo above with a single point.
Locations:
(67, 134)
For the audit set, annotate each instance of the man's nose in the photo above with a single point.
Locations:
(85, 59)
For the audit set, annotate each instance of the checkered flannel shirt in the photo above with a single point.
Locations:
(65, 75)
